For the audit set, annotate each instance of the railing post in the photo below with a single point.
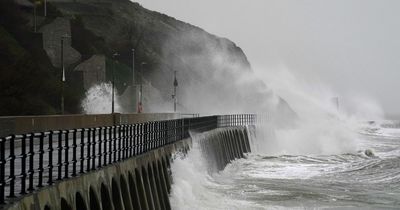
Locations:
(66, 153)
(119, 141)
(175, 130)
(127, 140)
(110, 134)
(139, 138)
(105, 146)
(151, 136)
(31, 170)
(167, 131)
(59, 150)
(145, 140)
(94, 142)
(50, 166)
(100, 154)
(125, 133)
(23, 165)
(135, 139)
(12, 167)
(2, 169)
(82, 158)
(114, 139)
(164, 133)
(158, 134)
(131, 140)
(74, 158)
(89, 138)
(183, 129)
(41, 153)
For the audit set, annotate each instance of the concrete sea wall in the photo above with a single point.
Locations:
(223, 145)
(142, 182)
(139, 183)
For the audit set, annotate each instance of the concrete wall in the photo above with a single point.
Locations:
(142, 182)
(28, 124)
(223, 145)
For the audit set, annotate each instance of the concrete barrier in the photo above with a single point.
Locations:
(142, 182)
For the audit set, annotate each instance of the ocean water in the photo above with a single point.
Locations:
(340, 179)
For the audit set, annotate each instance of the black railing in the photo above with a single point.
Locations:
(31, 161)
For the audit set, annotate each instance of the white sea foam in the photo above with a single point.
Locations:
(194, 188)
(98, 100)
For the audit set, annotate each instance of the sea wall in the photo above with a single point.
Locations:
(223, 145)
(142, 182)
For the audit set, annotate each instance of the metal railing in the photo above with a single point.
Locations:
(31, 161)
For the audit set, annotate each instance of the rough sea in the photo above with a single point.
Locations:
(365, 178)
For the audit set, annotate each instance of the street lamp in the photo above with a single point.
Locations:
(133, 67)
(34, 16)
(133, 88)
(63, 71)
(174, 95)
(113, 83)
(45, 8)
(140, 104)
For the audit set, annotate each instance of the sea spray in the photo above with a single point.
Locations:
(98, 100)
(194, 186)
(321, 128)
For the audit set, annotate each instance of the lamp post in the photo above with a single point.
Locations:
(34, 16)
(63, 71)
(133, 88)
(174, 95)
(133, 67)
(140, 104)
(45, 8)
(113, 84)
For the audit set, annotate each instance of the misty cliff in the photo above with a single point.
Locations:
(214, 74)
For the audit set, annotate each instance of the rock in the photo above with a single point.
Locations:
(369, 153)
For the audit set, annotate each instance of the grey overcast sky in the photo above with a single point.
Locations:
(351, 45)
